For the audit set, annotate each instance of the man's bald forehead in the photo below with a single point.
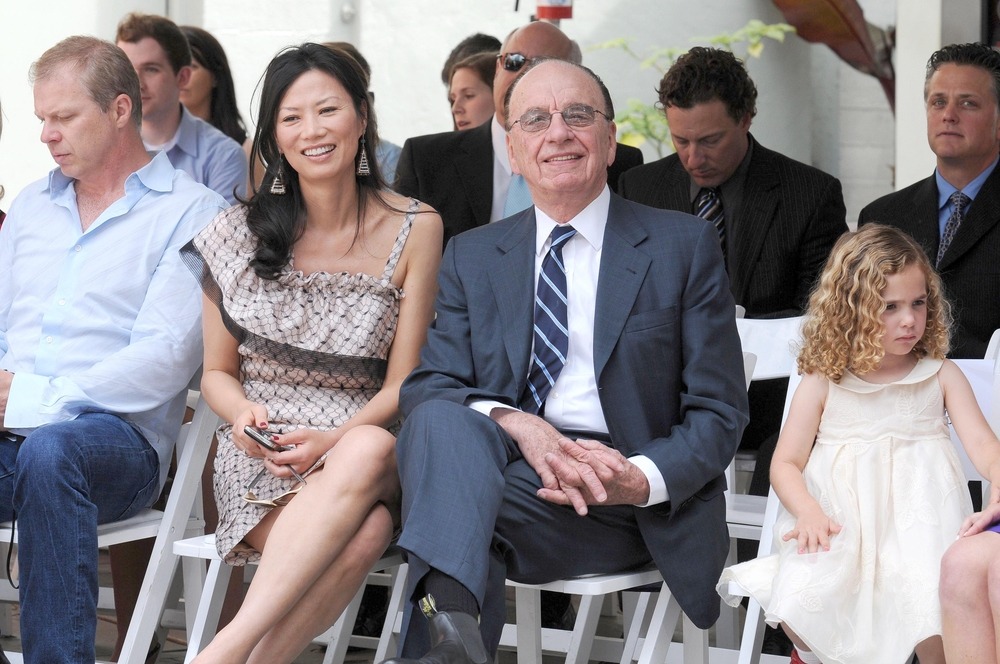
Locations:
(540, 39)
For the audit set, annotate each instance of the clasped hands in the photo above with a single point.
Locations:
(308, 445)
(573, 472)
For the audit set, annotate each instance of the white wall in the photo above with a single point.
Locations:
(408, 41)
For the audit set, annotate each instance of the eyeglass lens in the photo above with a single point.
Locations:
(514, 61)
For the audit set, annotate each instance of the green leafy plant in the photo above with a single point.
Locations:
(642, 122)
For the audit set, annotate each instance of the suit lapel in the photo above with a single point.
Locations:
(475, 170)
(623, 269)
(982, 216)
(513, 285)
(760, 203)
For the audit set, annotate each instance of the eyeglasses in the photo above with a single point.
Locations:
(577, 116)
(513, 61)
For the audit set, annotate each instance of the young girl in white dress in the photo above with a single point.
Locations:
(871, 488)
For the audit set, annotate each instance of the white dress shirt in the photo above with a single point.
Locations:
(573, 402)
(107, 319)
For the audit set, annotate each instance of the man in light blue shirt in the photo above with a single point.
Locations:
(99, 336)
(162, 58)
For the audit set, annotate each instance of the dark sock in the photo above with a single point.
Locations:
(449, 594)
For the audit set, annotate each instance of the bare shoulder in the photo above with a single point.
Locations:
(813, 387)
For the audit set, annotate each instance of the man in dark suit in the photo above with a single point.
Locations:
(962, 93)
(601, 455)
(778, 218)
(466, 175)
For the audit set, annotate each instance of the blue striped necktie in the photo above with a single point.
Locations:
(708, 206)
(551, 333)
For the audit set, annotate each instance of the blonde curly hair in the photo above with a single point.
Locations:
(843, 328)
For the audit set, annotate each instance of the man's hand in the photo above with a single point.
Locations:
(592, 473)
(535, 437)
(6, 378)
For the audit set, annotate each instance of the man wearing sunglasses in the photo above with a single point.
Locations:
(466, 175)
(568, 416)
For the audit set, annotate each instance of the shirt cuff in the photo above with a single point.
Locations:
(24, 399)
(486, 406)
(657, 486)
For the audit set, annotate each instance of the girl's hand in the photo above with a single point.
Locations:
(309, 445)
(980, 521)
(813, 530)
(254, 416)
(994, 493)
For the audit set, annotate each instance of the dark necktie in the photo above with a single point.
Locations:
(551, 333)
(959, 202)
(708, 206)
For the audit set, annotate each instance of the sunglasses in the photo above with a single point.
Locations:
(513, 61)
(283, 498)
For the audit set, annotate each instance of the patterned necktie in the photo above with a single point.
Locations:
(708, 206)
(959, 202)
(551, 334)
(518, 196)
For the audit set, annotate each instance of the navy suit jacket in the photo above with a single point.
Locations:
(970, 268)
(666, 356)
(791, 216)
(453, 173)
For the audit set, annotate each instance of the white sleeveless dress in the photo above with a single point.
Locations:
(884, 467)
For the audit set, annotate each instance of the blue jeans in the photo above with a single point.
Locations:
(61, 481)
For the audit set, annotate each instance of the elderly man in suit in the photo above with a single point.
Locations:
(466, 175)
(955, 213)
(569, 414)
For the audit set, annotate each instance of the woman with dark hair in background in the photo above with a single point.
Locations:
(210, 93)
(308, 337)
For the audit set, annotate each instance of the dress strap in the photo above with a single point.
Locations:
(397, 247)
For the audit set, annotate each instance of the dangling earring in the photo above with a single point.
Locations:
(363, 168)
(277, 185)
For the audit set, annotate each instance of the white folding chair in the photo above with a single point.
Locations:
(204, 598)
(641, 642)
(180, 517)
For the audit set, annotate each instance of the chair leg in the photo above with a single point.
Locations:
(753, 634)
(635, 617)
(340, 633)
(585, 629)
(528, 611)
(209, 608)
(666, 613)
(695, 643)
(387, 641)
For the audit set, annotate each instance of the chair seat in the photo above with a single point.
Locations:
(597, 584)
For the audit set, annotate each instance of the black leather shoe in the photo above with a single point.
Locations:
(455, 638)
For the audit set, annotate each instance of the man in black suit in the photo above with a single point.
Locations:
(962, 93)
(608, 453)
(779, 217)
(466, 175)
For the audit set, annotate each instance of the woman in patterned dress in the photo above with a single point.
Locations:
(318, 294)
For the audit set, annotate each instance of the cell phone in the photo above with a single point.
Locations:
(262, 438)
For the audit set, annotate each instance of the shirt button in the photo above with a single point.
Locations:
(78, 248)
(48, 340)
(62, 301)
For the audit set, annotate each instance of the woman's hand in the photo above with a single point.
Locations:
(813, 530)
(308, 446)
(254, 416)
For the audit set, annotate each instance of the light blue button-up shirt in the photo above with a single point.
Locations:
(107, 319)
(208, 156)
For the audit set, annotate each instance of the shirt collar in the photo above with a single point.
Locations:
(185, 138)
(589, 223)
(499, 135)
(946, 189)
(157, 175)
